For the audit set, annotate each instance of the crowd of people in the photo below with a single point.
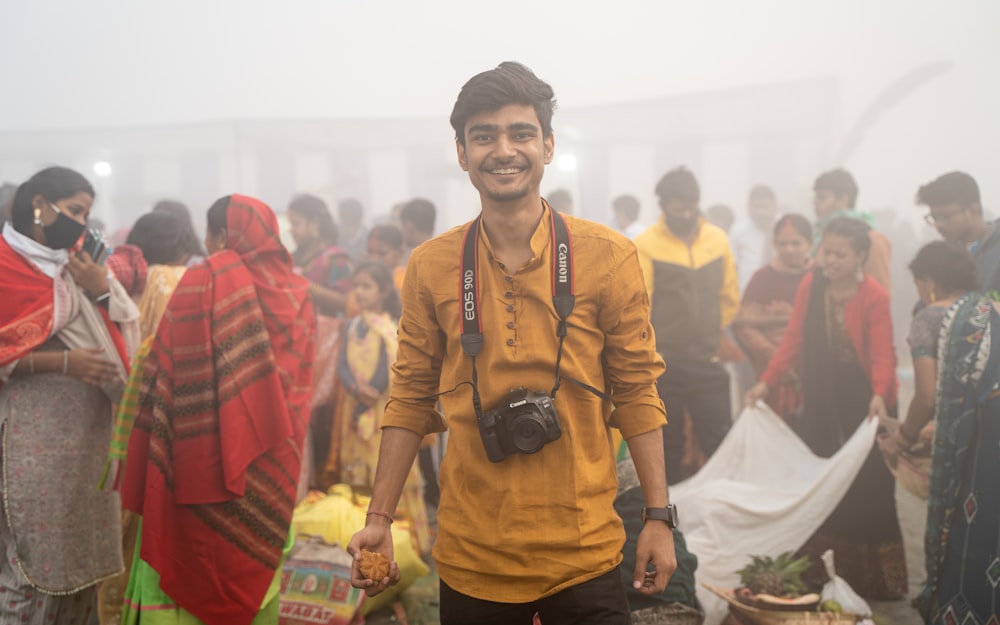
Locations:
(165, 404)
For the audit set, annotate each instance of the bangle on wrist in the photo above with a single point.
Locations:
(65, 361)
(384, 515)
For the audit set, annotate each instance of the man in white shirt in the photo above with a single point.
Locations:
(750, 240)
(626, 209)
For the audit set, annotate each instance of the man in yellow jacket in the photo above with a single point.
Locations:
(691, 279)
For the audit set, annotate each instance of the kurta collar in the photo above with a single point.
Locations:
(540, 239)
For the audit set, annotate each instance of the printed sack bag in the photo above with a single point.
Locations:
(316, 586)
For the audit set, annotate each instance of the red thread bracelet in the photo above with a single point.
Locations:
(384, 515)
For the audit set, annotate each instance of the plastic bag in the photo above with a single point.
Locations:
(840, 591)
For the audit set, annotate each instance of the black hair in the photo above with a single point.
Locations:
(627, 205)
(508, 83)
(958, 187)
(949, 265)
(161, 236)
(388, 234)
(761, 192)
(839, 182)
(421, 213)
(678, 184)
(351, 212)
(799, 223)
(314, 210)
(53, 184)
(857, 233)
(217, 215)
(178, 210)
(382, 276)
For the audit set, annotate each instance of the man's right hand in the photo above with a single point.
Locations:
(376, 536)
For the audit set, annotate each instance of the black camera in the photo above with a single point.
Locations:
(523, 423)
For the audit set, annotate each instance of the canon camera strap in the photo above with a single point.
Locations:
(563, 297)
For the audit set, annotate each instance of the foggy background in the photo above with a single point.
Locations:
(194, 100)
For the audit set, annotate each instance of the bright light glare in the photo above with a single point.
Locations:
(102, 169)
(566, 162)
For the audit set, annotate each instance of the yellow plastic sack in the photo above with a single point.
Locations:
(338, 516)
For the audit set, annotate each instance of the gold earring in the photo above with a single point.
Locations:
(38, 216)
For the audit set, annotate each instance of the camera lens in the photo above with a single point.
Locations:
(527, 434)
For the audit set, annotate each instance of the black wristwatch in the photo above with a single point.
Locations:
(668, 515)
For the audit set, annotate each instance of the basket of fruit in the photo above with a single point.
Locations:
(772, 593)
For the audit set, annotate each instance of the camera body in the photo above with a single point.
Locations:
(523, 422)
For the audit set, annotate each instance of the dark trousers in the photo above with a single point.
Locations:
(600, 601)
(702, 389)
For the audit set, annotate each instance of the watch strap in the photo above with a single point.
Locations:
(668, 515)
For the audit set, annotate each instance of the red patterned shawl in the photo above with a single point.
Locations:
(214, 458)
(28, 311)
(27, 317)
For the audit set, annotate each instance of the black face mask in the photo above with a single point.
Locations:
(681, 226)
(62, 233)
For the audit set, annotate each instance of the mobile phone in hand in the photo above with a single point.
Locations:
(94, 245)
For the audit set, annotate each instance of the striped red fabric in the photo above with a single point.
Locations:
(214, 458)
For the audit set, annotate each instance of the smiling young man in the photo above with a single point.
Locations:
(526, 523)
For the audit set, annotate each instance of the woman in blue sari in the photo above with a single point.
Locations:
(955, 340)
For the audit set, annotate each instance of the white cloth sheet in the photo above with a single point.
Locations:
(763, 492)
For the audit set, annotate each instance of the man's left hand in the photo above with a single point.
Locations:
(655, 560)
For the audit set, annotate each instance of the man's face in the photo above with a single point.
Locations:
(505, 153)
(681, 216)
(827, 202)
(762, 211)
(954, 222)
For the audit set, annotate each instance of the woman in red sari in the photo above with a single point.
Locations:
(767, 307)
(214, 457)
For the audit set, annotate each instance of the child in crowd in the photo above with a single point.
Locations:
(368, 349)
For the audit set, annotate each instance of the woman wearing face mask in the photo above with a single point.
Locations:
(767, 307)
(63, 361)
(841, 328)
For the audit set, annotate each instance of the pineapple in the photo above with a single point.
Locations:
(778, 577)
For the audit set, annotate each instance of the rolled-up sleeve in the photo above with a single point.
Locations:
(631, 362)
(416, 373)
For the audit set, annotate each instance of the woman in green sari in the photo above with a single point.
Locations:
(956, 361)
